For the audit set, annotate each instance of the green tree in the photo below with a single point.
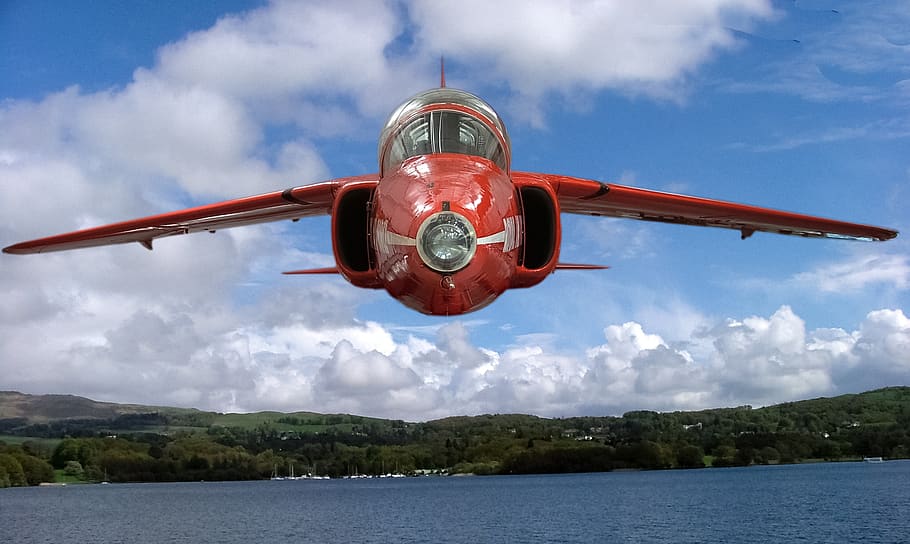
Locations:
(654, 455)
(13, 468)
(690, 456)
(744, 456)
(724, 456)
(84, 450)
(827, 449)
(767, 455)
(73, 468)
(36, 470)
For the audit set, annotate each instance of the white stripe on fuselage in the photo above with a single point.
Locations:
(509, 237)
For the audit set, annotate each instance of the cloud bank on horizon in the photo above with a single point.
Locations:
(286, 93)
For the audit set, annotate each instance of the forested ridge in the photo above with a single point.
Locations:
(38, 444)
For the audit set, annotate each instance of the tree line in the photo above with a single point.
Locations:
(871, 424)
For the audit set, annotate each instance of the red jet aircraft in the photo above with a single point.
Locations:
(446, 225)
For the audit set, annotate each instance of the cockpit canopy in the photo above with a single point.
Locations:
(443, 121)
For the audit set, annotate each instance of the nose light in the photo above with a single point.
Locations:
(446, 241)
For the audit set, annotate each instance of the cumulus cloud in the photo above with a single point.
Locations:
(572, 48)
(187, 324)
(881, 350)
(352, 373)
(175, 358)
(563, 46)
(301, 61)
(194, 123)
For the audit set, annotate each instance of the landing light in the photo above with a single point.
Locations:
(446, 241)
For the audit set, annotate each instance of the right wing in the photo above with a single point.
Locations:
(294, 203)
(590, 197)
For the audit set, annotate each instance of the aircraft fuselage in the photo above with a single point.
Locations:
(446, 225)
(464, 205)
(446, 228)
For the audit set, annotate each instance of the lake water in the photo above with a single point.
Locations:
(839, 502)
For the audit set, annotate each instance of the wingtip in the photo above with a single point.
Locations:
(16, 249)
(883, 235)
(327, 270)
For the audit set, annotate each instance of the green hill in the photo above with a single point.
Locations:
(44, 408)
(150, 443)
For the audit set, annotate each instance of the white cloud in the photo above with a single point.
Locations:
(864, 270)
(349, 372)
(881, 351)
(188, 324)
(637, 47)
(291, 60)
(206, 354)
(552, 45)
(859, 273)
(760, 358)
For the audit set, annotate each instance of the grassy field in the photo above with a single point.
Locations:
(44, 444)
(14, 440)
(156, 429)
(306, 422)
(61, 478)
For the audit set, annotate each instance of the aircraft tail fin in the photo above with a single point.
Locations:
(442, 72)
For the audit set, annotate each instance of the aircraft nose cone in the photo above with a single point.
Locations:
(446, 241)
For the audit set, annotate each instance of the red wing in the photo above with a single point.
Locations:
(591, 197)
(304, 201)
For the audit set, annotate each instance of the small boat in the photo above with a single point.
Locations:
(873, 460)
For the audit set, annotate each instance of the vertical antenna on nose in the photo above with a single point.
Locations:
(442, 72)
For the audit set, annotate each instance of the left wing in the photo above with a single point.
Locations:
(585, 196)
(294, 203)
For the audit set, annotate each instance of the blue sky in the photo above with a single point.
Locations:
(111, 111)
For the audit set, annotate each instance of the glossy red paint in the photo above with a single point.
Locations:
(428, 184)
(515, 216)
(585, 196)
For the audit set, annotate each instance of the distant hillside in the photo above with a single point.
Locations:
(878, 406)
(44, 408)
(94, 440)
(60, 415)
